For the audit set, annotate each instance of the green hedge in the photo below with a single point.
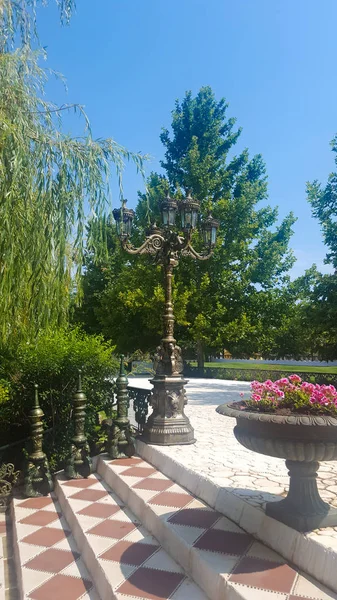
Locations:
(256, 374)
(53, 361)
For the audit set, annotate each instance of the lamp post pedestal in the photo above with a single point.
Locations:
(168, 424)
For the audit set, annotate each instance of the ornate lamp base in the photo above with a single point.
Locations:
(38, 480)
(168, 424)
(303, 509)
(79, 464)
(121, 443)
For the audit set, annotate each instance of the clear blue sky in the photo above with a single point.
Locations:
(273, 60)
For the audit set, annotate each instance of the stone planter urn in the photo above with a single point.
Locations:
(303, 440)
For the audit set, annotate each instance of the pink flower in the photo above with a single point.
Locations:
(295, 378)
(307, 387)
(256, 397)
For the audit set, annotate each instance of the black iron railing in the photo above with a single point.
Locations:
(141, 401)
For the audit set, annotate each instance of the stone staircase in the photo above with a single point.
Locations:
(129, 532)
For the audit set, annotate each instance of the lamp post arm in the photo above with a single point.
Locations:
(188, 250)
(153, 244)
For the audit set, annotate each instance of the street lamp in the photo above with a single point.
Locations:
(168, 424)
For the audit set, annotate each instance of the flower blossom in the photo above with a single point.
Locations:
(294, 394)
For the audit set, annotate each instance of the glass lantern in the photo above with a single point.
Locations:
(189, 209)
(210, 227)
(168, 208)
(124, 218)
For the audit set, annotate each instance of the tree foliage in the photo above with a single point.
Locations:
(18, 20)
(323, 200)
(216, 301)
(49, 183)
(320, 311)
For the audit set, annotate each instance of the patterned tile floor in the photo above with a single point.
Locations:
(252, 570)
(132, 560)
(134, 563)
(51, 563)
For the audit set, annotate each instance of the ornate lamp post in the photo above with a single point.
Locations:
(168, 425)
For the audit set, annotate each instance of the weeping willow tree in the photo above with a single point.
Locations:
(18, 20)
(49, 184)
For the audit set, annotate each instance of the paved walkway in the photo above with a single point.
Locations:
(218, 456)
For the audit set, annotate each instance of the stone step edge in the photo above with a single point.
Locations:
(2, 563)
(215, 585)
(16, 551)
(91, 561)
(305, 553)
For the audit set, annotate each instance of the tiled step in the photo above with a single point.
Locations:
(124, 560)
(48, 561)
(225, 561)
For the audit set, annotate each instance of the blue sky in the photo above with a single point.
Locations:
(274, 61)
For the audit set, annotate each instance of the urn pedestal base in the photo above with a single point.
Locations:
(303, 509)
(168, 424)
(304, 440)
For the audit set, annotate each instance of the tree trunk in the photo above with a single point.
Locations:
(200, 355)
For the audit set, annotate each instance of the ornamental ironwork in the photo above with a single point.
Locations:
(121, 442)
(79, 463)
(141, 402)
(38, 480)
(8, 478)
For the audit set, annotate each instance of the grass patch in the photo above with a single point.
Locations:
(267, 367)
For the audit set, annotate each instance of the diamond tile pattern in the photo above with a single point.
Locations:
(264, 575)
(45, 566)
(217, 540)
(40, 517)
(134, 565)
(151, 583)
(52, 560)
(129, 553)
(61, 586)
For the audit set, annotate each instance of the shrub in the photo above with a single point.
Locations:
(52, 361)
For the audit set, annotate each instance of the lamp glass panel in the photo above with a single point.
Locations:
(207, 236)
(188, 217)
(165, 216)
(172, 216)
(213, 238)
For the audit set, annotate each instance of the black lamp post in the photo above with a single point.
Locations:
(168, 424)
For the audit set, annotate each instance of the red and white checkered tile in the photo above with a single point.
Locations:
(50, 561)
(130, 562)
(221, 558)
(133, 531)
